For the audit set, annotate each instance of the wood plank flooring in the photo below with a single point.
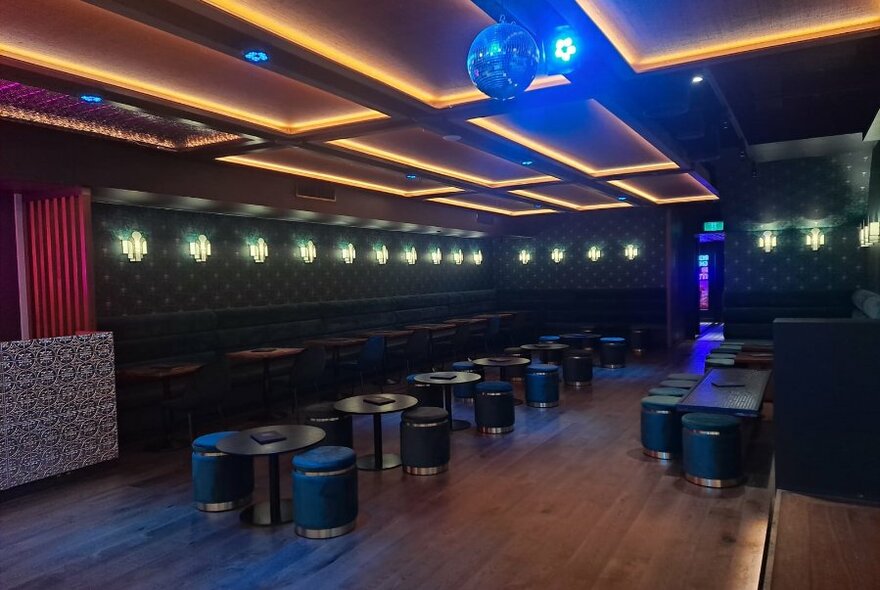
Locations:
(824, 545)
(566, 501)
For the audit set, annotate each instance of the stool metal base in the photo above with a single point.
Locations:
(368, 462)
(542, 404)
(494, 429)
(223, 506)
(613, 366)
(713, 483)
(324, 533)
(658, 454)
(579, 384)
(425, 470)
(261, 515)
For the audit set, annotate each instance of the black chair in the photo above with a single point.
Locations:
(369, 361)
(306, 372)
(493, 334)
(206, 394)
(416, 353)
(517, 330)
(456, 347)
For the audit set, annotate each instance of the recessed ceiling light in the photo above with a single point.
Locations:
(92, 98)
(696, 79)
(528, 162)
(621, 198)
(412, 177)
(256, 57)
(452, 137)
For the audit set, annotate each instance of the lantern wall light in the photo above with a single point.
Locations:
(382, 254)
(308, 252)
(631, 251)
(767, 242)
(457, 256)
(436, 256)
(594, 254)
(200, 248)
(348, 253)
(815, 239)
(557, 255)
(135, 247)
(524, 256)
(869, 233)
(259, 250)
(478, 257)
(411, 255)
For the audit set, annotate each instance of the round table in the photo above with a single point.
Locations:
(358, 405)
(447, 379)
(503, 362)
(538, 349)
(296, 438)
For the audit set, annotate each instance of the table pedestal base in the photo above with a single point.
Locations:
(460, 424)
(261, 514)
(368, 462)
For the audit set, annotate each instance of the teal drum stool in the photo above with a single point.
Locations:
(325, 492)
(220, 481)
(493, 407)
(713, 362)
(612, 352)
(712, 451)
(542, 386)
(465, 391)
(670, 391)
(695, 377)
(679, 383)
(549, 339)
(661, 426)
(427, 394)
(424, 441)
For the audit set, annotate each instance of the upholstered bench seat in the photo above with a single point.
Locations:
(661, 426)
(686, 376)
(673, 391)
(712, 452)
(680, 383)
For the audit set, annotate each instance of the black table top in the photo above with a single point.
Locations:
(501, 361)
(544, 346)
(357, 405)
(459, 379)
(744, 398)
(296, 437)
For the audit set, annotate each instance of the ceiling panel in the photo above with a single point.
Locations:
(572, 196)
(425, 150)
(666, 189)
(416, 46)
(652, 35)
(584, 135)
(319, 166)
(492, 204)
(28, 104)
(80, 40)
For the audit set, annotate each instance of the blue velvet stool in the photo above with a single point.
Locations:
(712, 450)
(493, 407)
(334, 423)
(542, 385)
(465, 391)
(549, 339)
(613, 352)
(424, 441)
(325, 492)
(661, 426)
(220, 481)
(673, 391)
(427, 394)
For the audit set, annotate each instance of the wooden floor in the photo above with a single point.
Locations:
(566, 501)
(824, 545)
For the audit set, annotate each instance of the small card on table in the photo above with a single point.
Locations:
(444, 376)
(270, 436)
(378, 400)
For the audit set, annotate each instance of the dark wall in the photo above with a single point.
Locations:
(610, 230)
(790, 197)
(10, 319)
(873, 253)
(168, 279)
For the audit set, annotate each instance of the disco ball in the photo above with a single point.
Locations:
(503, 60)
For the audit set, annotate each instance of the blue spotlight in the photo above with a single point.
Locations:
(92, 98)
(562, 50)
(528, 162)
(256, 57)
(412, 177)
(622, 198)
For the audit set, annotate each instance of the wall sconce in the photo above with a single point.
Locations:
(557, 255)
(200, 249)
(815, 239)
(348, 253)
(411, 255)
(869, 233)
(382, 255)
(259, 250)
(631, 251)
(135, 247)
(436, 256)
(478, 257)
(457, 256)
(524, 256)
(767, 241)
(594, 253)
(308, 252)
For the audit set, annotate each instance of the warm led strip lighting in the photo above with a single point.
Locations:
(246, 161)
(515, 136)
(488, 208)
(568, 204)
(356, 146)
(641, 64)
(300, 37)
(160, 92)
(646, 195)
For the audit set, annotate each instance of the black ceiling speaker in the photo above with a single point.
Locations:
(316, 190)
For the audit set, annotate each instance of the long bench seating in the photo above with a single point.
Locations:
(750, 314)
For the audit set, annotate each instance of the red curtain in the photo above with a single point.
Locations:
(59, 255)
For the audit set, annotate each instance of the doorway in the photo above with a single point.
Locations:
(710, 278)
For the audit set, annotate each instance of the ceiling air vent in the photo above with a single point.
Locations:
(316, 190)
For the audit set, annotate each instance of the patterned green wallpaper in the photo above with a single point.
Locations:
(168, 279)
(790, 197)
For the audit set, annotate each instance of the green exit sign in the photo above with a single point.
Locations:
(713, 226)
